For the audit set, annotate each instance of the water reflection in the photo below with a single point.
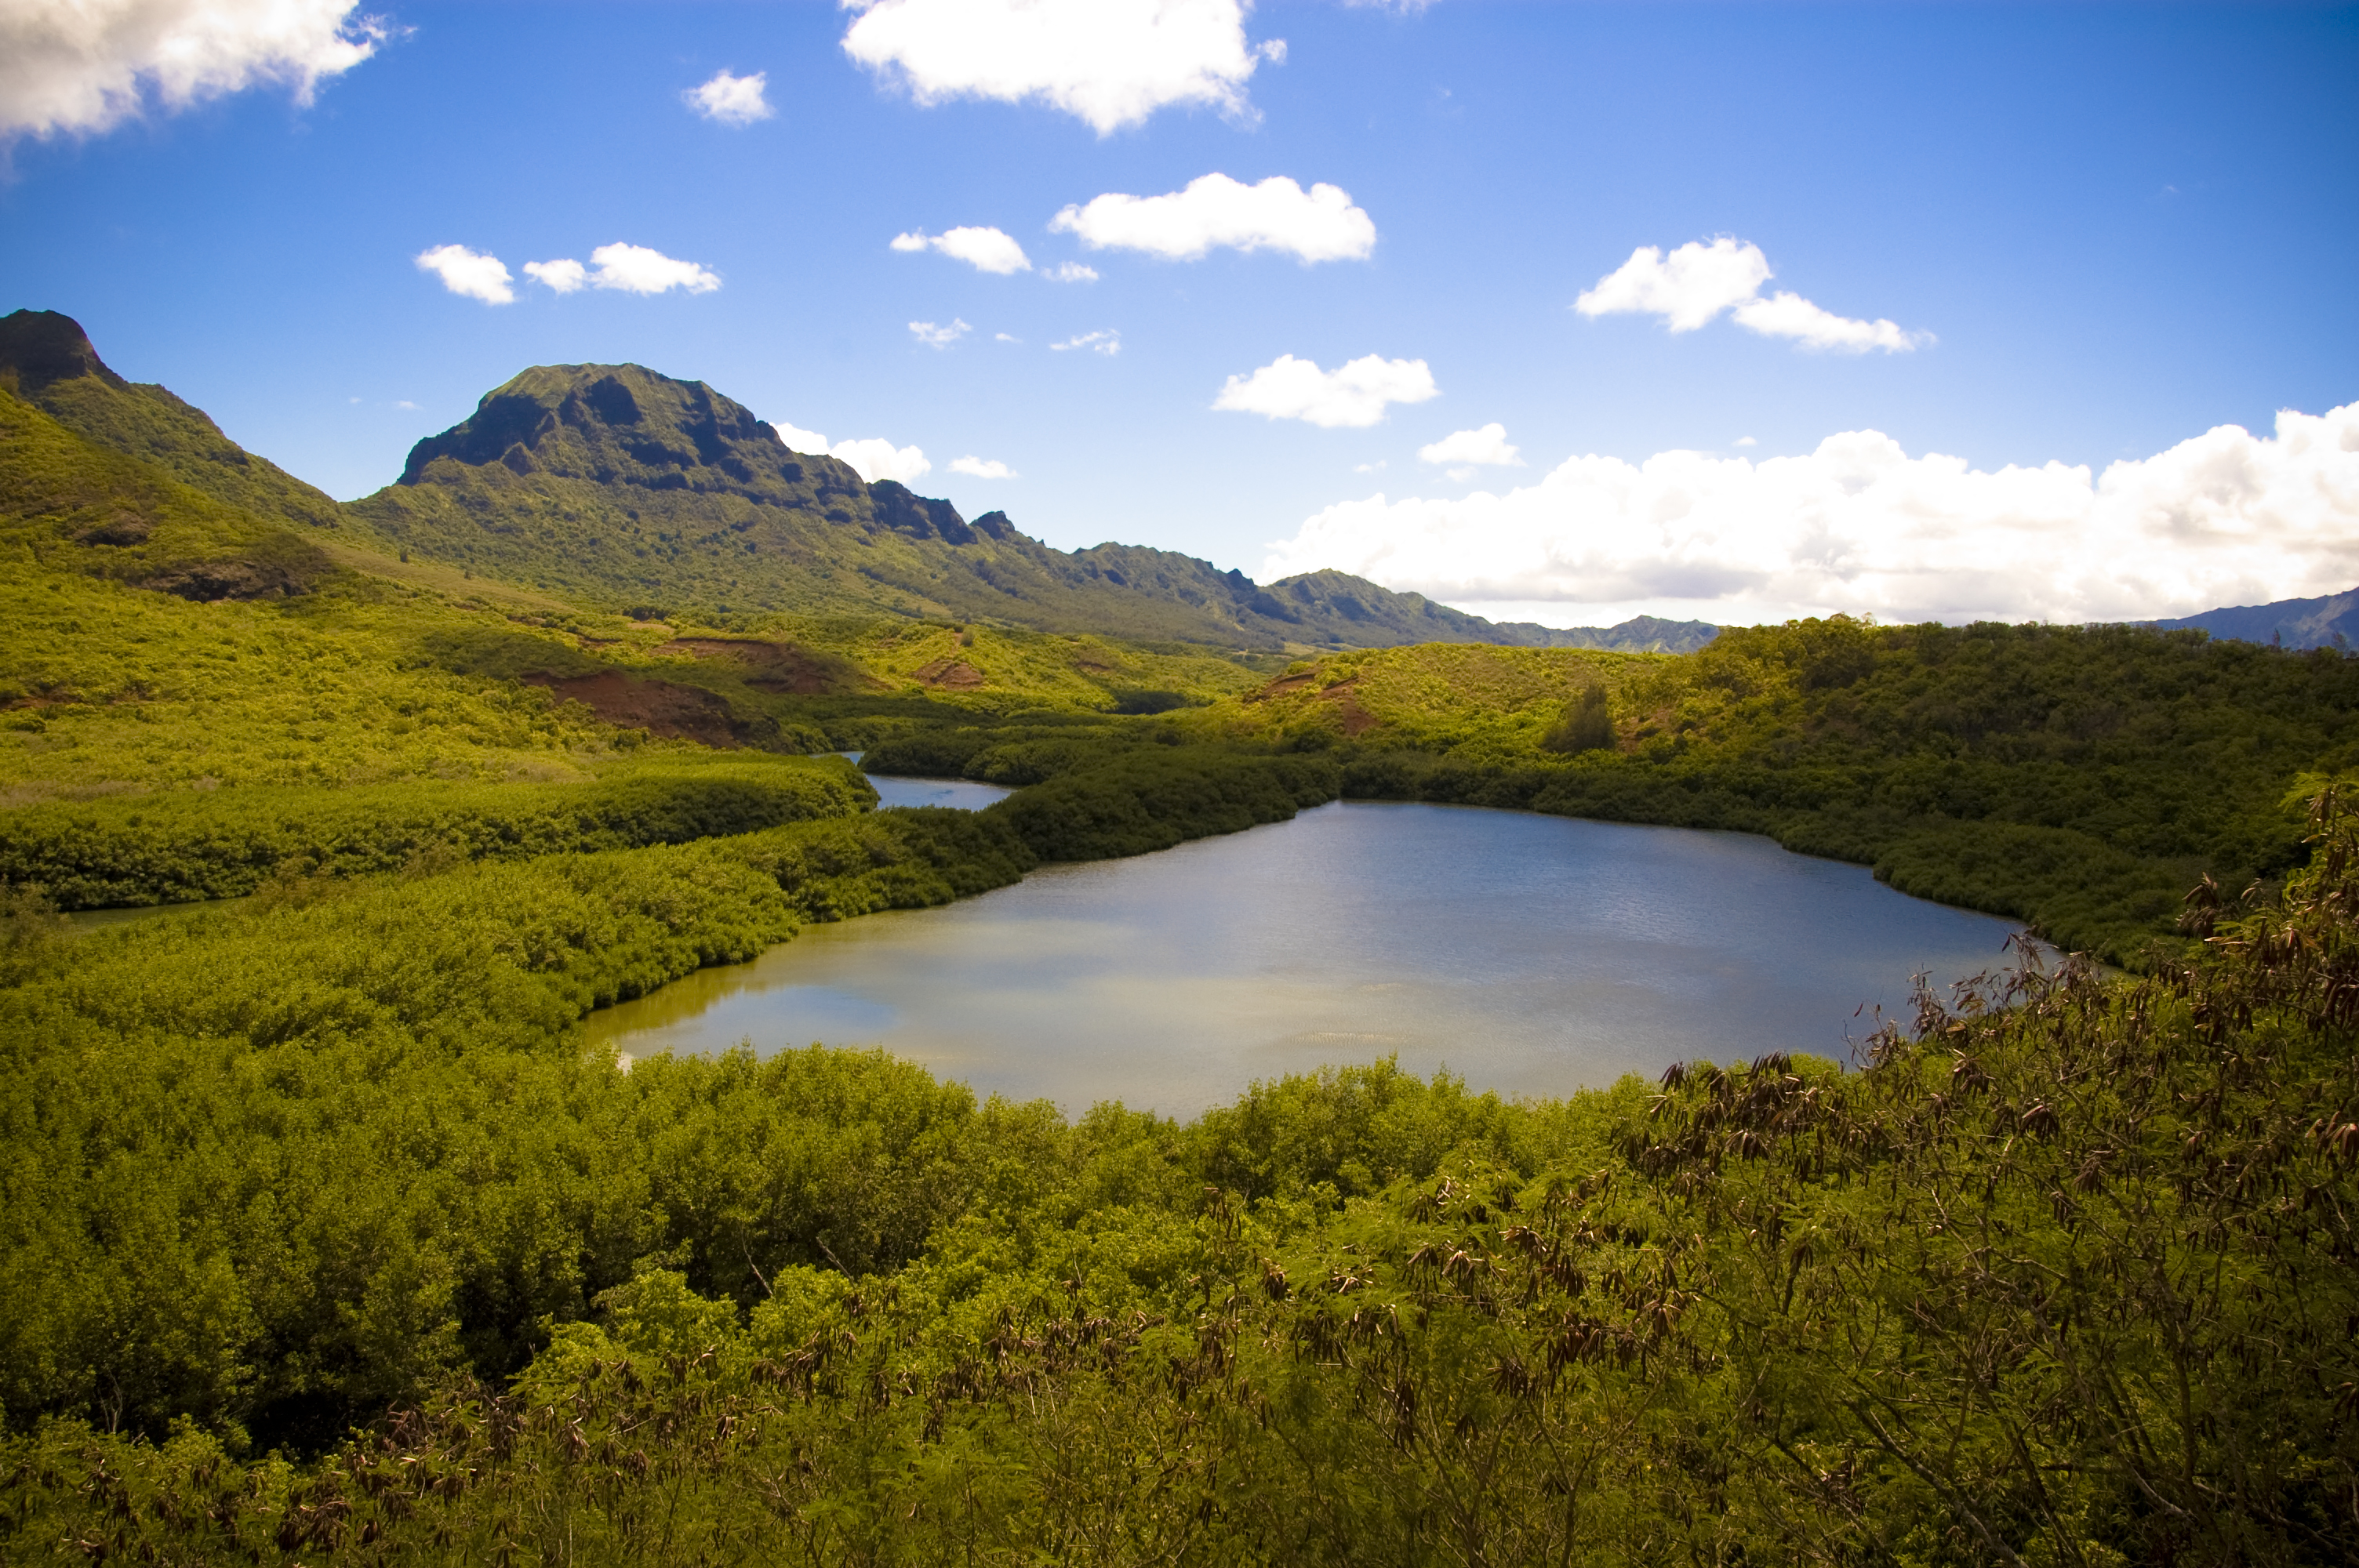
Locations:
(965, 795)
(1531, 954)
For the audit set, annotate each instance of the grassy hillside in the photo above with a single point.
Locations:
(197, 699)
(46, 359)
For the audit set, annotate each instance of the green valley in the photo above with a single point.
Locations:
(325, 1238)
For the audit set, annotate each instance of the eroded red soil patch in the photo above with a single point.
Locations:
(658, 707)
(1357, 721)
(948, 675)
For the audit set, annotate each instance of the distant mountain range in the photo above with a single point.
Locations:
(620, 488)
(2330, 622)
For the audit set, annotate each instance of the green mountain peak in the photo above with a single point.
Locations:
(625, 425)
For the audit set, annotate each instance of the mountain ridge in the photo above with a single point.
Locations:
(632, 491)
(48, 361)
(686, 480)
(2331, 621)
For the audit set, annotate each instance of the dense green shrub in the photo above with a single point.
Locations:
(1013, 754)
(183, 846)
(1587, 725)
(1155, 798)
(269, 1164)
(2066, 1275)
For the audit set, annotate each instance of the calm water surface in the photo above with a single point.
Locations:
(964, 793)
(1532, 955)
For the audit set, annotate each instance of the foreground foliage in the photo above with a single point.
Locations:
(185, 846)
(2065, 1276)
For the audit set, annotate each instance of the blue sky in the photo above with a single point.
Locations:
(2099, 231)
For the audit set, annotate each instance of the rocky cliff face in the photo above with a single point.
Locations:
(624, 425)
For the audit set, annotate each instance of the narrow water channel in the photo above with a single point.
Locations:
(1532, 955)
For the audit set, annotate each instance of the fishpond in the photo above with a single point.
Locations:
(1531, 955)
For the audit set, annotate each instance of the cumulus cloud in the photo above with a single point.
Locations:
(987, 250)
(879, 459)
(982, 467)
(1687, 288)
(634, 269)
(1107, 342)
(872, 459)
(1071, 272)
(89, 65)
(1486, 447)
(1316, 226)
(464, 272)
(1695, 283)
(1785, 315)
(1110, 63)
(935, 337)
(564, 276)
(733, 100)
(1861, 527)
(1352, 395)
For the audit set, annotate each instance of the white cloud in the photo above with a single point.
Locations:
(1698, 281)
(1107, 342)
(405, 403)
(733, 100)
(1746, 441)
(1785, 315)
(982, 467)
(1486, 447)
(1354, 394)
(1859, 526)
(1317, 225)
(636, 269)
(1690, 286)
(1007, 337)
(88, 65)
(464, 272)
(872, 459)
(879, 459)
(987, 250)
(935, 337)
(564, 276)
(1108, 62)
(1071, 272)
